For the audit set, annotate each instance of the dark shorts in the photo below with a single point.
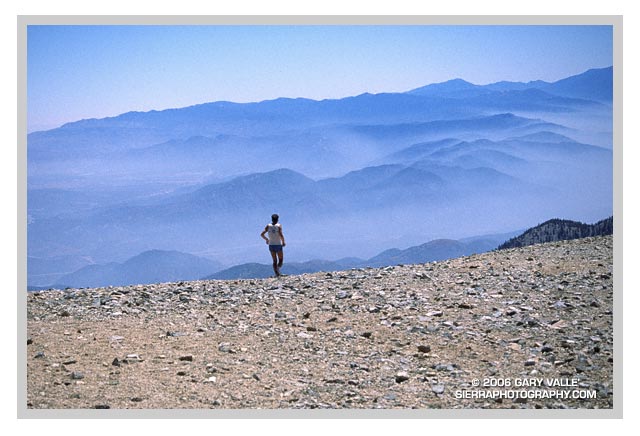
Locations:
(275, 248)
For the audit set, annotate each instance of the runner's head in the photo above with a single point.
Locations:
(274, 218)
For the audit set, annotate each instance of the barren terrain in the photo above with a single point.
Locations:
(453, 334)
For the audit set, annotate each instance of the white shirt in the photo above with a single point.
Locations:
(273, 234)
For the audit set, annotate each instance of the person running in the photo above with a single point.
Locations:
(275, 242)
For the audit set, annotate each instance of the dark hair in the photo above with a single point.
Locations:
(274, 218)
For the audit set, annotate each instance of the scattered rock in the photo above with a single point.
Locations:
(132, 358)
(77, 375)
(225, 348)
(402, 377)
(438, 389)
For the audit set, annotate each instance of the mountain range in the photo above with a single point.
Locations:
(154, 266)
(440, 249)
(593, 85)
(157, 266)
(350, 177)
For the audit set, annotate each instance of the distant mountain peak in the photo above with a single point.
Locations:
(452, 85)
(594, 84)
(151, 266)
(507, 86)
(458, 82)
(544, 136)
(282, 173)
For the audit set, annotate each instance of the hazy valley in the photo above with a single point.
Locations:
(350, 178)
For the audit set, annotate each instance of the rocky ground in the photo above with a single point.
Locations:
(461, 333)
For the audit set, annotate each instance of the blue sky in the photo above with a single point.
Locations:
(77, 72)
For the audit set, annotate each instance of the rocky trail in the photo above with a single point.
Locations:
(464, 333)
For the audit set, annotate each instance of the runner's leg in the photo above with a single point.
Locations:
(280, 258)
(275, 263)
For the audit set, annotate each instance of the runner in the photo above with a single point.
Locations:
(275, 242)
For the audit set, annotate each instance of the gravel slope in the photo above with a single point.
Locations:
(412, 336)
